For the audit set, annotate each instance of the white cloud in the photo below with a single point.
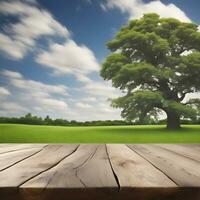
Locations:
(11, 74)
(99, 110)
(83, 105)
(4, 91)
(103, 89)
(12, 108)
(33, 23)
(50, 104)
(90, 99)
(38, 86)
(26, 95)
(32, 96)
(82, 77)
(11, 47)
(95, 101)
(136, 8)
(88, 102)
(69, 58)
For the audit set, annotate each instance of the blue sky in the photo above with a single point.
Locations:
(51, 53)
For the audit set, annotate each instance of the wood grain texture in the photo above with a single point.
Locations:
(189, 151)
(183, 171)
(25, 170)
(11, 158)
(99, 171)
(6, 148)
(64, 175)
(134, 171)
(86, 169)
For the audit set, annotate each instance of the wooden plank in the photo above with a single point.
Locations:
(187, 150)
(61, 172)
(63, 175)
(4, 145)
(87, 167)
(6, 148)
(97, 171)
(78, 177)
(193, 146)
(134, 171)
(185, 172)
(27, 169)
(11, 158)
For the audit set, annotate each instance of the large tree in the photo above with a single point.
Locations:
(155, 62)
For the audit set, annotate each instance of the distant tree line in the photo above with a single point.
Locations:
(35, 120)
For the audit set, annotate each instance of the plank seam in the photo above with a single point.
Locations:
(179, 154)
(112, 169)
(82, 164)
(56, 173)
(23, 159)
(54, 165)
(153, 165)
(89, 158)
(81, 181)
(17, 150)
(50, 180)
(76, 172)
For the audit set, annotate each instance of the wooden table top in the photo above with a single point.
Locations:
(99, 171)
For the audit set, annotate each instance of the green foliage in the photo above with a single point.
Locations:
(156, 62)
(34, 120)
(181, 109)
(146, 100)
(189, 70)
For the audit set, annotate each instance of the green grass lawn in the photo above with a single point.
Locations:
(12, 133)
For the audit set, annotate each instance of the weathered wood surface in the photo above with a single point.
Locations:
(99, 171)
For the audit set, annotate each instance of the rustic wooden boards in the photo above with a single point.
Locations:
(87, 167)
(7, 148)
(99, 171)
(134, 171)
(27, 169)
(183, 170)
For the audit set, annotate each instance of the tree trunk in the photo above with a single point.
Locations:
(173, 120)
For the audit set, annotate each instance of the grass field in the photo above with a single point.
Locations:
(12, 133)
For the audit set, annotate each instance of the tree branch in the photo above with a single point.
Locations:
(182, 96)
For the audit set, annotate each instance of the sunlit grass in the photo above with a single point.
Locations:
(12, 133)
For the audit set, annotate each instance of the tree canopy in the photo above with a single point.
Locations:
(156, 63)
